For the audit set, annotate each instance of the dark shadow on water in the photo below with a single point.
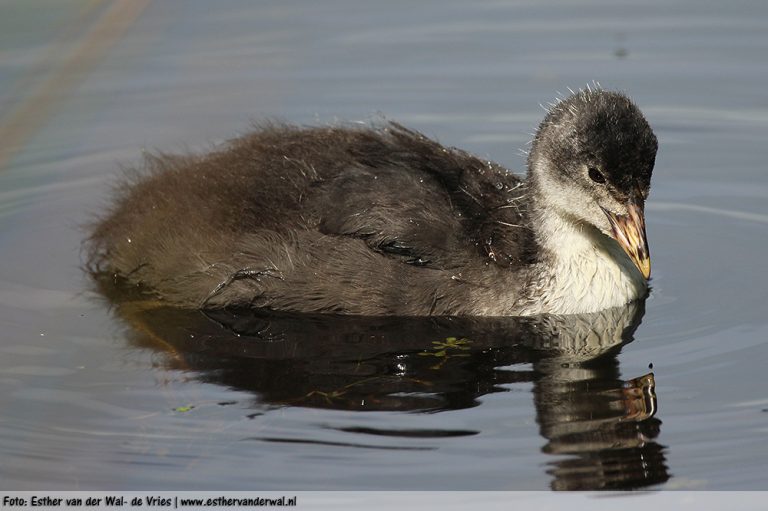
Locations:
(600, 429)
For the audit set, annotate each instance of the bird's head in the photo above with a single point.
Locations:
(591, 162)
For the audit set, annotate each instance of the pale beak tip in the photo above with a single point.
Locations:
(645, 268)
(629, 232)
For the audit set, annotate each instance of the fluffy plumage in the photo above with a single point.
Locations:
(385, 221)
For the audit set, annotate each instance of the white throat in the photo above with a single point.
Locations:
(583, 271)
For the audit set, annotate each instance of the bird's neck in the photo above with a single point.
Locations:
(581, 270)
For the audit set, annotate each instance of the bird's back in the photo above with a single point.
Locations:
(332, 219)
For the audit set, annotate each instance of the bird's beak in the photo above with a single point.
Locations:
(629, 232)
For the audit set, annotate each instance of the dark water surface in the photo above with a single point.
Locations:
(124, 395)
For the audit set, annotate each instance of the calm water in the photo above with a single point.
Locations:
(96, 395)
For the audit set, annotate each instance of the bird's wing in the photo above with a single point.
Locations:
(411, 198)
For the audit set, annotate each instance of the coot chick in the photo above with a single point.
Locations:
(385, 221)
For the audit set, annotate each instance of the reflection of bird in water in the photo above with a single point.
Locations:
(605, 425)
(385, 221)
(584, 409)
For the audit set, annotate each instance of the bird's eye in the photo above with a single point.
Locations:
(596, 176)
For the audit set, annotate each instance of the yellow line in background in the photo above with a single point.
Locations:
(28, 117)
(68, 32)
